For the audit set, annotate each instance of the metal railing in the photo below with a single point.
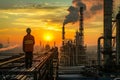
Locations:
(45, 69)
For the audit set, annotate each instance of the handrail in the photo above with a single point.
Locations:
(12, 60)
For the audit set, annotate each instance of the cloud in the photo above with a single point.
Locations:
(93, 7)
(5, 4)
(96, 8)
(73, 15)
(31, 4)
(36, 18)
(47, 13)
(29, 16)
(4, 17)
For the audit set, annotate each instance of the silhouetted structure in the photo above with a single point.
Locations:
(111, 44)
(79, 39)
(1, 45)
(74, 52)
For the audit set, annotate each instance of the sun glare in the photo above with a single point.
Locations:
(48, 37)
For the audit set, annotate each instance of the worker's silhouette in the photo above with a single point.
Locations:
(28, 45)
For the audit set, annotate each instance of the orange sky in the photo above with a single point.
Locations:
(48, 19)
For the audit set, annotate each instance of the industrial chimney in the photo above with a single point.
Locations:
(63, 35)
(81, 29)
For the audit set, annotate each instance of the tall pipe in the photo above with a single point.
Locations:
(63, 34)
(108, 31)
(81, 29)
(118, 38)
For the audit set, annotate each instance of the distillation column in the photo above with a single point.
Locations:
(80, 48)
(80, 33)
(107, 32)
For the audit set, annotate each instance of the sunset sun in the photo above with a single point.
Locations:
(48, 37)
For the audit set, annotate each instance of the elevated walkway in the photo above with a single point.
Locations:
(44, 67)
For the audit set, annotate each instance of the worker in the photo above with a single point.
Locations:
(28, 46)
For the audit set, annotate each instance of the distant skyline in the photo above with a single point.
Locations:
(46, 17)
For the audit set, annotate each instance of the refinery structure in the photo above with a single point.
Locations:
(71, 62)
(111, 38)
(74, 52)
(108, 48)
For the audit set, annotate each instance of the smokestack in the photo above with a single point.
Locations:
(73, 17)
(81, 30)
(63, 34)
(81, 19)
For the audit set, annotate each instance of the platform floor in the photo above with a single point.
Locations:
(73, 73)
(77, 77)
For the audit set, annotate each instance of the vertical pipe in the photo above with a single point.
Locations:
(107, 31)
(77, 43)
(81, 29)
(99, 51)
(63, 34)
(118, 38)
(76, 56)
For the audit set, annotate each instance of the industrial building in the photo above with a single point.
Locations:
(73, 53)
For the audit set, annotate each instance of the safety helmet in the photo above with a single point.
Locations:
(28, 30)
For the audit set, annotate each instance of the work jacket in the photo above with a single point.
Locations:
(28, 43)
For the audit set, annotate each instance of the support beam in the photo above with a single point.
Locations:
(118, 38)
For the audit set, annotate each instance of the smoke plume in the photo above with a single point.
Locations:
(93, 7)
(73, 15)
(96, 8)
(9, 48)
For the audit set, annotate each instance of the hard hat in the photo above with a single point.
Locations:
(28, 30)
